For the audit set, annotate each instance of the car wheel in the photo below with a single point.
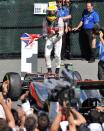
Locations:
(14, 89)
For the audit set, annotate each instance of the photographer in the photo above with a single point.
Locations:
(4, 88)
(100, 33)
(96, 119)
(65, 14)
(74, 118)
(66, 113)
(6, 114)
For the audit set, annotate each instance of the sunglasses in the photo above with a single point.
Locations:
(53, 13)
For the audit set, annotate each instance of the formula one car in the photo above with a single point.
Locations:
(43, 89)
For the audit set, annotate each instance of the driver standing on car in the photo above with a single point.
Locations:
(54, 30)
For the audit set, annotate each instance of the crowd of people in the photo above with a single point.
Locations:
(60, 116)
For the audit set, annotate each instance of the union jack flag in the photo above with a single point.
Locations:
(29, 38)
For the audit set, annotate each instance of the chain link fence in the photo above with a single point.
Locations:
(16, 18)
(76, 11)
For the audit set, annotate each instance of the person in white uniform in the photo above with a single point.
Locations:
(54, 29)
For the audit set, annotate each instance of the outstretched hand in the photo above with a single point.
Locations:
(24, 96)
(9, 103)
(101, 34)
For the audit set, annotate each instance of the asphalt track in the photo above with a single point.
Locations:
(87, 70)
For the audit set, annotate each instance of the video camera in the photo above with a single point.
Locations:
(62, 93)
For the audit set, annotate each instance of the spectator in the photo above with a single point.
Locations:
(95, 127)
(43, 122)
(16, 118)
(96, 122)
(95, 116)
(8, 113)
(73, 117)
(5, 87)
(100, 45)
(3, 123)
(90, 18)
(64, 13)
(31, 123)
(79, 120)
(22, 117)
(6, 128)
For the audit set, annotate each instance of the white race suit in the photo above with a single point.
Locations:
(54, 41)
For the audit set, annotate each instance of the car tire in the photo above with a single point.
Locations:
(14, 91)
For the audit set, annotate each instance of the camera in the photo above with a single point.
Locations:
(96, 30)
(64, 94)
